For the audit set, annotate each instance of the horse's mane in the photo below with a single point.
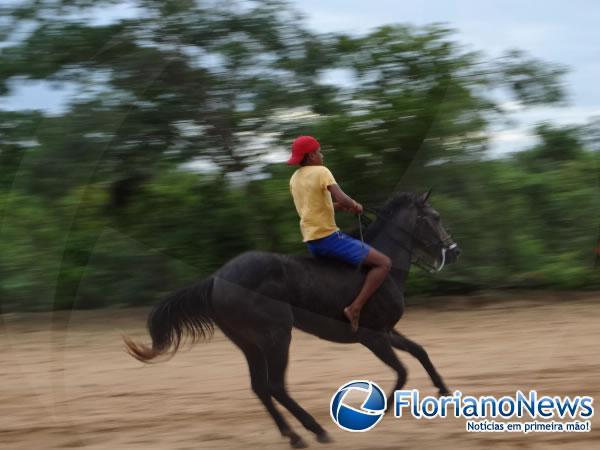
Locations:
(397, 201)
(394, 203)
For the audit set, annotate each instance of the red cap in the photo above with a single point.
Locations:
(301, 146)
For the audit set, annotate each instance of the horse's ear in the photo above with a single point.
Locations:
(423, 197)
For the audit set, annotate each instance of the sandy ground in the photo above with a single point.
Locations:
(65, 381)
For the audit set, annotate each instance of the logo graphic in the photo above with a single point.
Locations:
(371, 410)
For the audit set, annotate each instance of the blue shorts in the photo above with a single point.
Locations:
(340, 246)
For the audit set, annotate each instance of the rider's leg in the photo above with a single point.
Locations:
(380, 266)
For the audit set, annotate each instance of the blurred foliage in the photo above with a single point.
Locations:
(158, 171)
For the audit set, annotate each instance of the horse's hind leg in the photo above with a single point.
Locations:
(277, 361)
(379, 344)
(259, 377)
(403, 343)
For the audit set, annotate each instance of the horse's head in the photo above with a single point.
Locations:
(410, 224)
(433, 245)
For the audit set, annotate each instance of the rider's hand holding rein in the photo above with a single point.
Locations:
(343, 201)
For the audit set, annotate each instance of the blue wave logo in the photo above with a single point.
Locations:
(371, 410)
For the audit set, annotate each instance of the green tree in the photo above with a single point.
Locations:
(102, 199)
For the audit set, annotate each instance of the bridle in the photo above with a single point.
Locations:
(443, 244)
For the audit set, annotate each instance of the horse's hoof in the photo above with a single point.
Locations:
(444, 393)
(298, 442)
(324, 438)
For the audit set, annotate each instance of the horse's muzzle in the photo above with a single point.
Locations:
(452, 253)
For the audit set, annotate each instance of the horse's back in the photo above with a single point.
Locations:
(298, 289)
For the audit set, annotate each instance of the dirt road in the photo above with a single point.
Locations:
(65, 381)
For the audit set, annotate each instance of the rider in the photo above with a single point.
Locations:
(312, 187)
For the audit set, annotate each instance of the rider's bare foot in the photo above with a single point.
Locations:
(352, 317)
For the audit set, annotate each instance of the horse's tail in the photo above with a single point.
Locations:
(186, 312)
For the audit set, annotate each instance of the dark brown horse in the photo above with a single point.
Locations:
(256, 299)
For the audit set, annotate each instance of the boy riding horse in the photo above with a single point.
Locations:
(312, 187)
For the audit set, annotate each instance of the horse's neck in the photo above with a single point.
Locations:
(396, 244)
(399, 276)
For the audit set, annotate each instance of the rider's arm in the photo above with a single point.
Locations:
(343, 201)
(339, 207)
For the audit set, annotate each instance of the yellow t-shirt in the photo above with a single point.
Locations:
(313, 202)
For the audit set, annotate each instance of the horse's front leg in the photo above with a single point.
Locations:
(379, 343)
(403, 343)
